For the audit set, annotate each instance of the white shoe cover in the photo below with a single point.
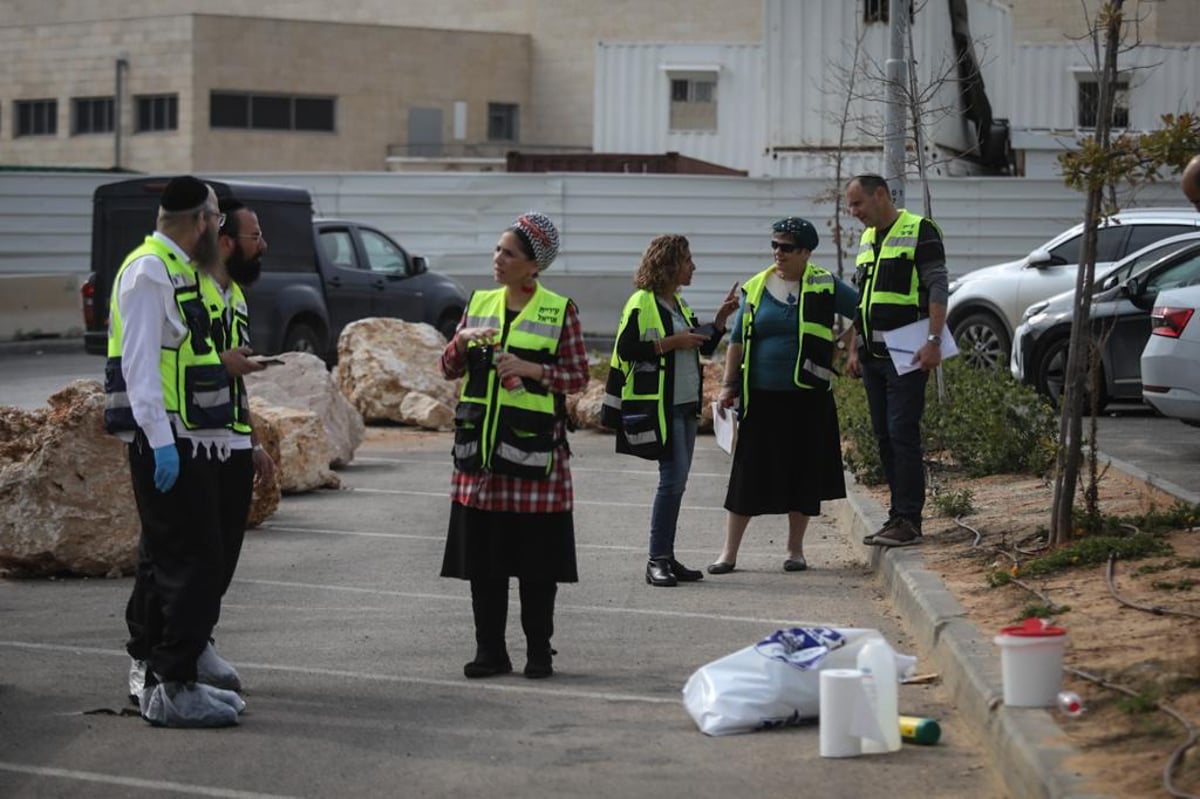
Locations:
(178, 704)
(214, 670)
(228, 697)
(137, 678)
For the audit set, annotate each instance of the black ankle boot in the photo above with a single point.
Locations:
(658, 572)
(539, 663)
(487, 664)
(683, 574)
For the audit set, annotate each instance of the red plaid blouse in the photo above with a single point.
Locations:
(496, 492)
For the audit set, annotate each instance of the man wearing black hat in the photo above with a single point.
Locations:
(167, 396)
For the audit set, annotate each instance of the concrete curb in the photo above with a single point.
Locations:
(1025, 745)
(38, 346)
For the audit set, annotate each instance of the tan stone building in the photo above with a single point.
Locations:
(486, 76)
(309, 84)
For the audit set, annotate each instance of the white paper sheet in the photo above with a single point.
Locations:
(724, 426)
(903, 343)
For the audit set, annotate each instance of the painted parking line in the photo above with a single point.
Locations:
(134, 782)
(591, 502)
(558, 606)
(494, 687)
(274, 528)
(574, 467)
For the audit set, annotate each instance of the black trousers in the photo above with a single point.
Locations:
(181, 571)
(489, 603)
(236, 484)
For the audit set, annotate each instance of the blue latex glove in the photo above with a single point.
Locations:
(166, 467)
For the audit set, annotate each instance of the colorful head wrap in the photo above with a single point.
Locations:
(801, 231)
(539, 233)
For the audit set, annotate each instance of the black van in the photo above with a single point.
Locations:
(304, 297)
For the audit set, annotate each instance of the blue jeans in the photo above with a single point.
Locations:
(673, 471)
(897, 403)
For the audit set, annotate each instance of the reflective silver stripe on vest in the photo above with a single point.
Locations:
(866, 246)
(116, 399)
(819, 372)
(483, 321)
(637, 439)
(612, 401)
(539, 329)
(645, 366)
(901, 241)
(651, 334)
(537, 460)
(212, 399)
(877, 336)
(468, 450)
(819, 280)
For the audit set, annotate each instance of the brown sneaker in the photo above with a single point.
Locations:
(869, 540)
(902, 533)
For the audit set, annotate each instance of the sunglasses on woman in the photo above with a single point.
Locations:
(783, 246)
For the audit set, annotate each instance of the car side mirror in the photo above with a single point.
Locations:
(1134, 290)
(1039, 257)
(417, 265)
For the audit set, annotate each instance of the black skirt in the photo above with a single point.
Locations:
(788, 455)
(482, 544)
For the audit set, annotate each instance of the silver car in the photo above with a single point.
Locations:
(1120, 321)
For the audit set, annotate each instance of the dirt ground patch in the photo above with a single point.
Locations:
(1122, 753)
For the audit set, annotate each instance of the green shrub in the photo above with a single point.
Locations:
(954, 503)
(988, 424)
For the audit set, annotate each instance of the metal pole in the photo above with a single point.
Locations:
(118, 91)
(896, 69)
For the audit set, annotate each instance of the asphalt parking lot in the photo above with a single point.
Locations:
(351, 650)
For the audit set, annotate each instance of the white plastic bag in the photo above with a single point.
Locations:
(775, 682)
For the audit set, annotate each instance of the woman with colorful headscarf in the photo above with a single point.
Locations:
(652, 398)
(780, 362)
(519, 350)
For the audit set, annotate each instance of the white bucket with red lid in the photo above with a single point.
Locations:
(1031, 656)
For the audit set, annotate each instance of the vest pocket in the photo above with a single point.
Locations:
(199, 324)
(468, 436)
(639, 426)
(207, 401)
(524, 444)
(894, 276)
(645, 377)
(118, 415)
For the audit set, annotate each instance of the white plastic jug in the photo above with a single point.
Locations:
(877, 662)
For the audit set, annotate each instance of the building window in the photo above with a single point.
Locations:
(503, 122)
(157, 112)
(91, 115)
(37, 117)
(694, 103)
(875, 10)
(270, 111)
(1089, 103)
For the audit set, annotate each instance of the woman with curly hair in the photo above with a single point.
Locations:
(653, 394)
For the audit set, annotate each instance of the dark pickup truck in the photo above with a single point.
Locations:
(318, 274)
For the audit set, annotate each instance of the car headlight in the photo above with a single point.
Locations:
(1034, 310)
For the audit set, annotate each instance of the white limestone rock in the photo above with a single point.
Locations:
(304, 454)
(382, 361)
(66, 501)
(303, 382)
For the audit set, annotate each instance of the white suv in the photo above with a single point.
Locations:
(986, 305)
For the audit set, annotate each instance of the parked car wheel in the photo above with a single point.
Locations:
(301, 337)
(1051, 375)
(982, 341)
